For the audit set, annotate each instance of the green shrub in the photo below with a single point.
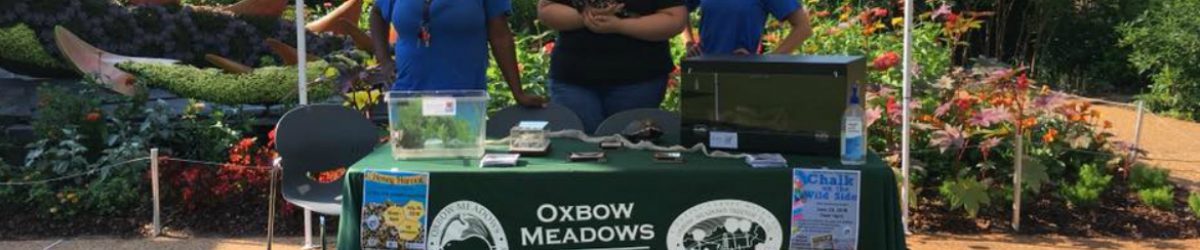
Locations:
(1166, 45)
(19, 44)
(1143, 177)
(524, 15)
(966, 193)
(1194, 203)
(1160, 197)
(263, 86)
(1086, 191)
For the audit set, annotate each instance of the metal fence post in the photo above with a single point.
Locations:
(1137, 134)
(154, 190)
(1020, 162)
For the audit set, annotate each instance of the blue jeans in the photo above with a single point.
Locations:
(593, 104)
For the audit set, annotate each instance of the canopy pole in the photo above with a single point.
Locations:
(301, 53)
(906, 113)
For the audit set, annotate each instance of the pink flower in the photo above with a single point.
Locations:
(943, 10)
(988, 116)
(949, 137)
(941, 110)
(986, 146)
(879, 12)
(872, 115)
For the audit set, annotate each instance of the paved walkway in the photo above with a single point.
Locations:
(916, 242)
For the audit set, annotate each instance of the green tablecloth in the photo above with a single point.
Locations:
(660, 191)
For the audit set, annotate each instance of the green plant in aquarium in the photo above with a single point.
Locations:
(415, 129)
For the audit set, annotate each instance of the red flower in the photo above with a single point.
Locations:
(1022, 82)
(822, 13)
(671, 83)
(951, 19)
(963, 104)
(548, 47)
(92, 116)
(886, 60)
(879, 12)
(891, 105)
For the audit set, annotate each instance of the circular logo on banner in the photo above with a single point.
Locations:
(466, 225)
(725, 225)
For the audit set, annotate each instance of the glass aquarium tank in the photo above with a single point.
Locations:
(437, 124)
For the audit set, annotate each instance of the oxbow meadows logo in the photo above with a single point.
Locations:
(725, 225)
(466, 225)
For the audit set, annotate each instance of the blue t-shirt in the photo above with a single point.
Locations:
(457, 57)
(728, 25)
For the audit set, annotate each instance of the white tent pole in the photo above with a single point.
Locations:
(301, 53)
(302, 89)
(907, 94)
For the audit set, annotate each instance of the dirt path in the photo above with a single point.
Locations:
(916, 242)
(1022, 242)
(1171, 144)
(157, 243)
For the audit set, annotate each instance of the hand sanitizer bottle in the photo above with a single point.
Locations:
(854, 136)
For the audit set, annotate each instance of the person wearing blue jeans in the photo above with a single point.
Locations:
(610, 55)
(594, 103)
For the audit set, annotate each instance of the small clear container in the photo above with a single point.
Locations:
(437, 124)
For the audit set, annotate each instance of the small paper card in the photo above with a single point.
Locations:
(533, 125)
(438, 106)
(499, 160)
(725, 140)
(766, 161)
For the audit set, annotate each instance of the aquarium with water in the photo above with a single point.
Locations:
(437, 124)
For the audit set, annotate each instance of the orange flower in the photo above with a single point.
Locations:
(1107, 124)
(92, 116)
(1028, 122)
(1049, 136)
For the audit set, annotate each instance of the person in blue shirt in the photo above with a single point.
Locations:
(736, 26)
(443, 44)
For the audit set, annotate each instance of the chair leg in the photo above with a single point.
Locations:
(322, 232)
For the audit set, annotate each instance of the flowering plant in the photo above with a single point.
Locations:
(970, 120)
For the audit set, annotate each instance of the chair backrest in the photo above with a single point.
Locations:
(560, 118)
(667, 121)
(316, 138)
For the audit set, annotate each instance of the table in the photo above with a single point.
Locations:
(535, 204)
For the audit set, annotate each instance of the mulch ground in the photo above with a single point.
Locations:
(1119, 214)
(231, 219)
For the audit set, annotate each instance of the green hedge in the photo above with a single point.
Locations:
(263, 86)
(1166, 45)
(18, 44)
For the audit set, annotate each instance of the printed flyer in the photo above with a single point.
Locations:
(394, 210)
(825, 207)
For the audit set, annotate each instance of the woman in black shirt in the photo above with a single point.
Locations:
(611, 55)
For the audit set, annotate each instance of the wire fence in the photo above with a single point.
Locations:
(130, 163)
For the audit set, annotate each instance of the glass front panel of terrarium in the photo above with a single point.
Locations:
(437, 124)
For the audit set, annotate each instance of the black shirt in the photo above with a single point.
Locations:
(584, 57)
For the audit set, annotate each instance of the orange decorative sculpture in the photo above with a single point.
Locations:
(97, 63)
(228, 65)
(349, 11)
(272, 8)
(286, 52)
(153, 2)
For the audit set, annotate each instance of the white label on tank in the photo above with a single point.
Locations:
(438, 106)
(726, 140)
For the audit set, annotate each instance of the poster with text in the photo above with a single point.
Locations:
(394, 210)
(825, 209)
